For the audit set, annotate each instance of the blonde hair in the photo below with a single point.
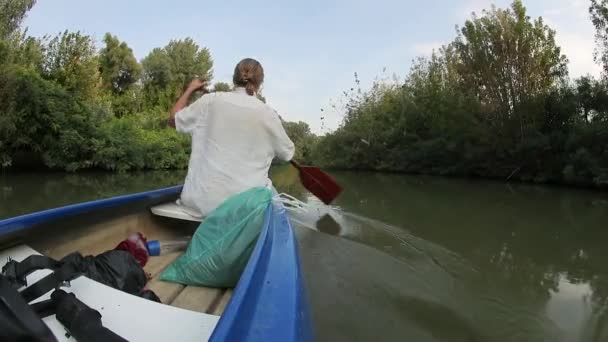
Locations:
(249, 74)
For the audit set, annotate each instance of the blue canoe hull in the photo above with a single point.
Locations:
(269, 302)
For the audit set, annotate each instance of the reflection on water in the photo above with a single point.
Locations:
(22, 193)
(570, 306)
(403, 258)
(430, 259)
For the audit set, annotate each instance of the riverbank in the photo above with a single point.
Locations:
(505, 180)
(476, 108)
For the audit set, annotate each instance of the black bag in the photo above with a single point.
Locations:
(115, 268)
(20, 321)
(81, 321)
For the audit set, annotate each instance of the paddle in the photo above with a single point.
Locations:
(319, 183)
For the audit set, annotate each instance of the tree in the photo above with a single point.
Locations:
(118, 67)
(188, 60)
(41, 117)
(299, 132)
(55, 96)
(31, 52)
(221, 86)
(157, 77)
(506, 59)
(599, 17)
(14, 46)
(592, 97)
(12, 13)
(167, 71)
(71, 61)
(23, 50)
(119, 73)
(494, 103)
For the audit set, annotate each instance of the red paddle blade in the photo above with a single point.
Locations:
(319, 183)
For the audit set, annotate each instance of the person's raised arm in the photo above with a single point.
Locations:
(284, 148)
(183, 100)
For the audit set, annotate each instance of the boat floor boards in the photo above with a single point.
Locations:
(92, 239)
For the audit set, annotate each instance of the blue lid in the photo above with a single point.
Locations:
(154, 247)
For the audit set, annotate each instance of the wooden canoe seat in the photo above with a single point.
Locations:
(174, 210)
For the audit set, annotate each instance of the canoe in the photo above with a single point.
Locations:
(269, 302)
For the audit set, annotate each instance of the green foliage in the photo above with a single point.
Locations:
(71, 108)
(118, 67)
(22, 50)
(71, 61)
(30, 52)
(167, 71)
(494, 103)
(304, 140)
(15, 46)
(126, 146)
(41, 117)
(128, 102)
(506, 59)
(599, 17)
(12, 13)
(592, 97)
(221, 86)
(157, 78)
(188, 60)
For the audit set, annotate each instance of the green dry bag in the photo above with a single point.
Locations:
(223, 243)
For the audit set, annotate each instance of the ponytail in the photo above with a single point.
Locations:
(251, 89)
(248, 74)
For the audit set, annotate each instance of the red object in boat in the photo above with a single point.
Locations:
(136, 245)
(319, 183)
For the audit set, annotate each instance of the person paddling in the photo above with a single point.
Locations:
(235, 137)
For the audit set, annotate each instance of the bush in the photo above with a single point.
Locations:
(123, 145)
(165, 149)
(411, 129)
(68, 105)
(40, 117)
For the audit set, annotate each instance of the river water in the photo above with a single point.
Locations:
(412, 258)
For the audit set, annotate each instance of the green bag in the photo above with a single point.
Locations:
(223, 243)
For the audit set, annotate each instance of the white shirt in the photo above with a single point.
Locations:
(235, 137)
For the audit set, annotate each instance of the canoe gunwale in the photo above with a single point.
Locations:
(270, 299)
(270, 302)
(20, 224)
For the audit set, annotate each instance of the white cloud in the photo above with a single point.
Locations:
(575, 34)
(570, 19)
(476, 6)
(569, 8)
(579, 50)
(426, 49)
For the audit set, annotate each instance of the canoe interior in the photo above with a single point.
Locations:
(96, 232)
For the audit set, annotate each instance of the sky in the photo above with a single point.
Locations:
(311, 49)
